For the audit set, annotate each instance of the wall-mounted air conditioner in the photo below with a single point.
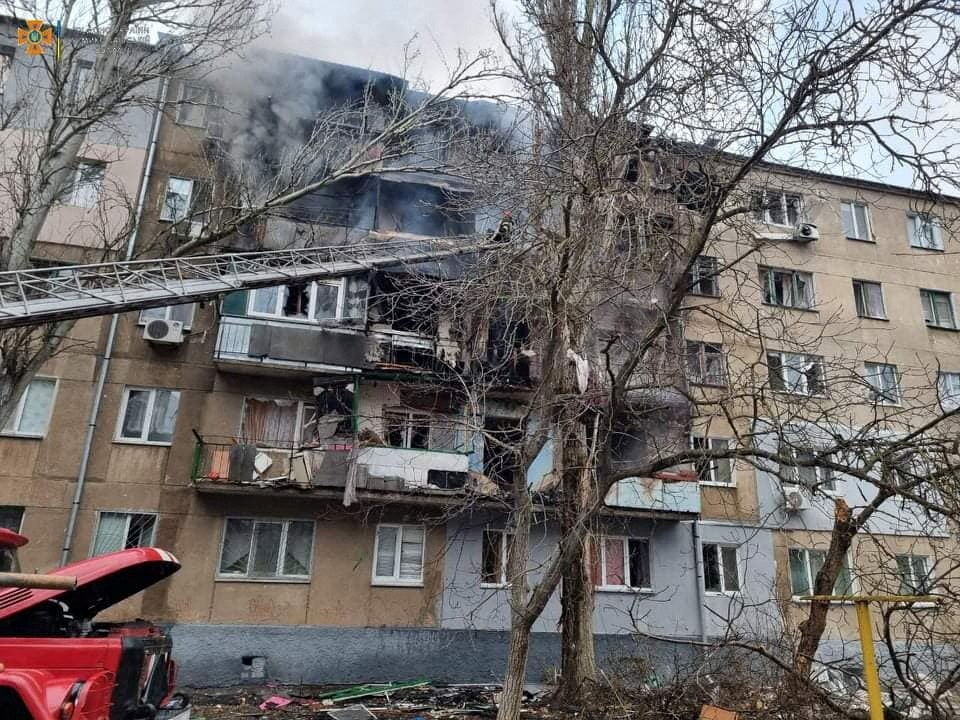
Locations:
(795, 498)
(806, 232)
(163, 332)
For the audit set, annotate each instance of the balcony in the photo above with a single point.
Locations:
(669, 492)
(262, 346)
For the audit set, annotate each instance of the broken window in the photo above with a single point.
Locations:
(298, 301)
(266, 548)
(398, 555)
(407, 430)
(120, 531)
(273, 423)
(776, 207)
(715, 471)
(495, 557)
(705, 364)
(334, 410)
(176, 199)
(787, 288)
(86, 184)
(805, 565)
(702, 278)
(620, 562)
(148, 415)
(721, 573)
(630, 234)
(796, 373)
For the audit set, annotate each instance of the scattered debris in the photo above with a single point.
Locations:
(711, 712)
(351, 712)
(275, 702)
(358, 691)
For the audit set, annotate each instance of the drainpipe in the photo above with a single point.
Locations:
(111, 337)
(701, 593)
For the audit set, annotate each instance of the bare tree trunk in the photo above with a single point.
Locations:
(512, 696)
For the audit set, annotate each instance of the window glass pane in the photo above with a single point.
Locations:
(846, 215)
(860, 214)
(193, 106)
(164, 416)
(613, 562)
(140, 531)
(394, 426)
(11, 517)
(134, 418)
(36, 406)
(420, 433)
(921, 578)
(491, 557)
(111, 533)
(844, 583)
(722, 468)
(711, 568)
(411, 553)
(265, 300)
(326, 301)
(905, 573)
(816, 559)
(157, 313)
(183, 313)
(386, 551)
(799, 584)
(176, 201)
(731, 573)
(793, 203)
(296, 301)
(639, 563)
(236, 547)
(299, 549)
(266, 548)
(943, 309)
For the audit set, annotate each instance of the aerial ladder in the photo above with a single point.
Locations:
(33, 296)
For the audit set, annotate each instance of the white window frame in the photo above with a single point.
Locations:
(6, 66)
(713, 468)
(279, 577)
(881, 393)
(723, 575)
(809, 294)
(933, 306)
(277, 312)
(73, 195)
(762, 214)
(395, 579)
(165, 214)
(864, 235)
(913, 580)
(301, 410)
(504, 541)
(604, 586)
(129, 515)
(914, 220)
(811, 577)
(809, 361)
(168, 314)
(949, 400)
(209, 96)
(824, 479)
(701, 376)
(17, 415)
(861, 299)
(698, 276)
(151, 404)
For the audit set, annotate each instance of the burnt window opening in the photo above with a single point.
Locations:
(334, 410)
(404, 303)
(501, 462)
(297, 301)
(632, 173)
(423, 210)
(631, 234)
(507, 341)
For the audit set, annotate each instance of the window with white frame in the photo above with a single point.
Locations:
(183, 199)
(705, 364)
(256, 548)
(6, 67)
(787, 288)
(721, 571)
(712, 471)
(854, 216)
(398, 555)
(86, 184)
(194, 104)
(924, 231)
(938, 308)
(181, 313)
(419, 431)
(622, 562)
(914, 574)
(123, 530)
(796, 373)
(495, 557)
(703, 276)
(298, 301)
(31, 417)
(814, 477)
(948, 387)
(868, 297)
(81, 74)
(884, 381)
(276, 422)
(11, 517)
(777, 207)
(805, 564)
(148, 415)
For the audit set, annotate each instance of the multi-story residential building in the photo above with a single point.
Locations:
(306, 453)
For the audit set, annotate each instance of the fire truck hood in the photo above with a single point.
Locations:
(102, 581)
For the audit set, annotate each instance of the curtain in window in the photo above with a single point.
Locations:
(270, 422)
(164, 416)
(235, 555)
(411, 554)
(799, 583)
(111, 533)
(36, 406)
(266, 548)
(136, 413)
(386, 551)
(299, 549)
(613, 562)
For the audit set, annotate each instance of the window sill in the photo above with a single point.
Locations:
(397, 583)
(928, 249)
(149, 443)
(800, 394)
(268, 580)
(722, 593)
(873, 317)
(948, 328)
(713, 296)
(23, 436)
(868, 241)
(797, 599)
(716, 386)
(494, 586)
(623, 590)
(710, 483)
(791, 307)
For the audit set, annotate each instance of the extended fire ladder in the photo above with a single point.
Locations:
(28, 297)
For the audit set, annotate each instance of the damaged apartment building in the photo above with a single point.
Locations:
(308, 452)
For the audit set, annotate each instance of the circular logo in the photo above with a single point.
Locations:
(34, 36)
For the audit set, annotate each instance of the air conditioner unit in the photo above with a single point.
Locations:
(806, 232)
(163, 332)
(795, 498)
